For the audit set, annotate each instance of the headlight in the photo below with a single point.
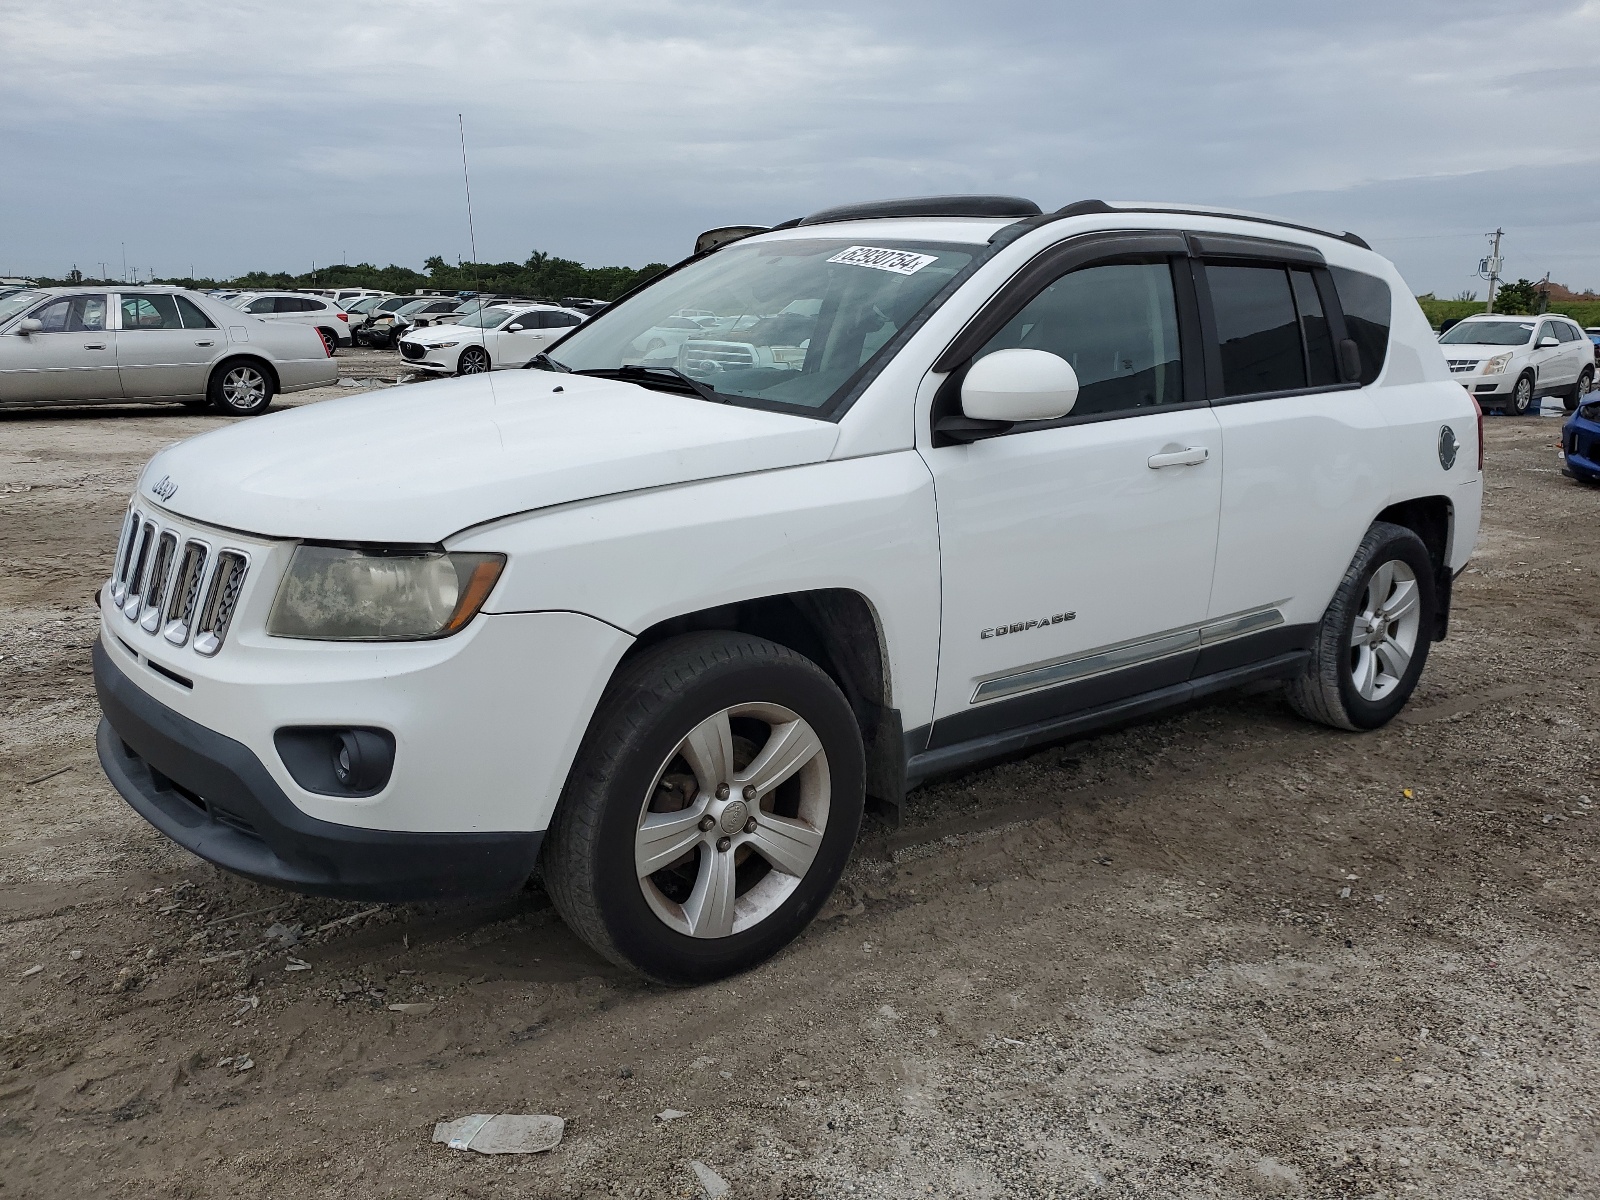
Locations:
(330, 593)
(1497, 364)
(443, 345)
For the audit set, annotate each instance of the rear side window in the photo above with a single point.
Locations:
(561, 320)
(193, 318)
(1320, 362)
(1117, 325)
(1365, 300)
(1565, 332)
(150, 312)
(263, 305)
(1258, 328)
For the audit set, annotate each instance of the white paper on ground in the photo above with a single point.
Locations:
(501, 1133)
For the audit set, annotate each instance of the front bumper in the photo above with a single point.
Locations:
(214, 797)
(439, 359)
(1580, 448)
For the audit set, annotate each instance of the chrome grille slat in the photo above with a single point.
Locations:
(155, 592)
(125, 544)
(184, 596)
(222, 598)
(141, 566)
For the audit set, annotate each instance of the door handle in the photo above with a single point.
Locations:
(94, 345)
(1189, 456)
(205, 343)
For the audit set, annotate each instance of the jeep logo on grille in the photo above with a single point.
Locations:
(164, 488)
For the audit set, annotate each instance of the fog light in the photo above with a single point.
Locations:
(337, 761)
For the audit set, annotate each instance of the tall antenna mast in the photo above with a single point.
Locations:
(472, 237)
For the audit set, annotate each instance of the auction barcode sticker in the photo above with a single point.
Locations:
(901, 262)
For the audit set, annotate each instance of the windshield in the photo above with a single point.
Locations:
(783, 322)
(488, 318)
(17, 302)
(1488, 333)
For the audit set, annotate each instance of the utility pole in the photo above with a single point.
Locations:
(1491, 266)
(124, 262)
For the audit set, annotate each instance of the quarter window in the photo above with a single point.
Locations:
(1365, 301)
(1257, 328)
(150, 312)
(1117, 324)
(193, 318)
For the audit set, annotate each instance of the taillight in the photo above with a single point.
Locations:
(344, 316)
(1478, 408)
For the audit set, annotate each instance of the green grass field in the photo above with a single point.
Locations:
(1584, 312)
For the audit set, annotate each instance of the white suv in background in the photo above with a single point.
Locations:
(1511, 361)
(494, 338)
(664, 631)
(297, 308)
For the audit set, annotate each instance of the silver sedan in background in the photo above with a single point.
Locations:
(143, 344)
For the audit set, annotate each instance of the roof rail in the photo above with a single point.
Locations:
(927, 206)
(1087, 208)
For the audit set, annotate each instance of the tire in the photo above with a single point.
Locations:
(241, 388)
(330, 342)
(1573, 398)
(474, 360)
(682, 700)
(1522, 397)
(1351, 681)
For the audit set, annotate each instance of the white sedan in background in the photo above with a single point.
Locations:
(494, 339)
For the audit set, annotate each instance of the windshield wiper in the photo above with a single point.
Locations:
(666, 379)
(543, 362)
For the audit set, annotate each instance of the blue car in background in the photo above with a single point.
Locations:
(1580, 442)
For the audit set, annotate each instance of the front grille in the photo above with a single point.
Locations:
(412, 351)
(714, 356)
(1461, 366)
(1590, 412)
(161, 574)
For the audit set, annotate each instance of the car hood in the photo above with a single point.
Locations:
(1478, 349)
(432, 335)
(420, 462)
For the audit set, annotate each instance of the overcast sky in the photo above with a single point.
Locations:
(234, 136)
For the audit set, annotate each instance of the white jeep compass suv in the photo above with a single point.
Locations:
(953, 478)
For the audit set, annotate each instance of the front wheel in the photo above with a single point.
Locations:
(711, 810)
(240, 389)
(1373, 640)
(474, 361)
(1522, 396)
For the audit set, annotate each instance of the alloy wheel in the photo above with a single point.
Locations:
(474, 361)
(733, 820)
(1522, 398)
(1383, 636)
(244, 388)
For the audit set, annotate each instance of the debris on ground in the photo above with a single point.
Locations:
(670, 1114)
(715, 1185)
(420, 1009)
(501, 1133)
(297, 964)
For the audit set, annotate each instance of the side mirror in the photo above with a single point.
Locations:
(1019, 385)
(1546, 342)
(31, 325)
(517, 328)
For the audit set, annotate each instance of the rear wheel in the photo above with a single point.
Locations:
(1373, 640)
(474, 361)
(240, 389)
(1522, 396)
(1575, 397)
(711, 810)
(330, 341)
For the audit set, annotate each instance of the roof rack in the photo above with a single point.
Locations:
(1089, 208)
(927, 206)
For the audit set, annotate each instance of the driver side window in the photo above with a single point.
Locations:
(1117, 324)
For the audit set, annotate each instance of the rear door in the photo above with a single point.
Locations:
(1305, 450)
(159, 355)
(72, 357)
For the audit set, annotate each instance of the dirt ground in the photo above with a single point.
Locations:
(1226, 953)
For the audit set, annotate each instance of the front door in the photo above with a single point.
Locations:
(1076, 555)
(73, 356)
(1550, 362)
(165, 346)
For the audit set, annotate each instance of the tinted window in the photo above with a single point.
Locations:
(1365, 300)
(559, 320)
(193, 318)
(263, 305)
(1257, 326)
(150, 312)
(298, 304)
(1118, 327)
(1564, 332)
(77, 314)
(1320, 362)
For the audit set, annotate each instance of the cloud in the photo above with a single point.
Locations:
(242, 135)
